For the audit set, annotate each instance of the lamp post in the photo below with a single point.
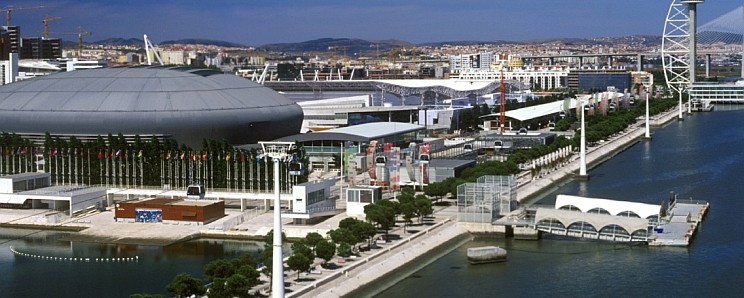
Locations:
(582, 151)
(680, 104)
(277, 151)
(648, 120)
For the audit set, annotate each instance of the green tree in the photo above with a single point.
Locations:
(342, 235)
(382, 216)
(312, 239)
(423, 207)
(300, 247)
(250, 273)
(185, 285)
(219, 289)
(299, 263)
(266, 257)
(325, 250)
(219, 268)
(238, 286)
(437, 190)
(344, 250)
(143, 295)
(409, 212)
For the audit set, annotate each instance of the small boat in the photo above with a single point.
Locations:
(486, 254)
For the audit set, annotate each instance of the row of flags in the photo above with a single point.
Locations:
(205, 155)
(18, 151)
(242, 156)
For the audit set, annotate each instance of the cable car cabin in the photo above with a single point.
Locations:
(195, 192)
(551, 125)
(467, 147)
(498, 144)
(296, 168)
(424, 158)
(562, 114)
(381, 160)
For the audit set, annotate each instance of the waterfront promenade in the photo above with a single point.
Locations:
(100, 227)
(529, 188)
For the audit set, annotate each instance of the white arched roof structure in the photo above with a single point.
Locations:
(614, 207)
(598, 221)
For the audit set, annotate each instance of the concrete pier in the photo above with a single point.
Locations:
(681, 224)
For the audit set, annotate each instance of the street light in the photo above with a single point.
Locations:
(277, 151)
(647, 85)
(582, 152)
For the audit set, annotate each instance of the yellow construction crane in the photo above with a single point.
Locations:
(80, 33)
(9, 10)
(46, 21)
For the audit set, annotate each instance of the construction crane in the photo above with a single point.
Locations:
(9, 10)
(46, 21)
(80, 33)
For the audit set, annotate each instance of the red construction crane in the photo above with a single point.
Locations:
(9, 10)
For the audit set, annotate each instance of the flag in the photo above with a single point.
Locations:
(118, 153)
(167, 155)
(100, 154)
(227, 157)
(183, 155)
(139, 155)
(204, 155)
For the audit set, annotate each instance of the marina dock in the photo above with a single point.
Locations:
(683, 220)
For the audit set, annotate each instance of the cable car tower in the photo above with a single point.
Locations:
(678, 46)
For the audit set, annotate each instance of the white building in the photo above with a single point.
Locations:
(544, 77)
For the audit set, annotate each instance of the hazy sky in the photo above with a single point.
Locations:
(276, 21)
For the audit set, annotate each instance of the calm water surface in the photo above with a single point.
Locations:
(701, 157)
(29, 277)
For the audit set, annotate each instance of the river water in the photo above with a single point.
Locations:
(701, 157)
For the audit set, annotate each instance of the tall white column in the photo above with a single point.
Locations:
(582, 153)
(648, 125)
(277, 270)
(680, 105)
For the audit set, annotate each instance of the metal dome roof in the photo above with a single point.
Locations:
(186, 103)
(137, 89)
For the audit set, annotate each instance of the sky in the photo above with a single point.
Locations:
(258, 22)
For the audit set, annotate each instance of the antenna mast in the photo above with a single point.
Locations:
(502, 112)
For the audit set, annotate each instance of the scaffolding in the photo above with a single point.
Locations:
(489, 198)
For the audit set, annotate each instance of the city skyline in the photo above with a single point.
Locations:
(257, 23)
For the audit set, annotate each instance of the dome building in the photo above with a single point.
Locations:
(186, 104)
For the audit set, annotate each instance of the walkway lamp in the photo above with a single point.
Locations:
(647, 85)
(582, 152)
(278, 151)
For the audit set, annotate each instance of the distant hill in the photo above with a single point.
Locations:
(120, 42)
(351, 46)
(641, 39)
(348, 45)
(467, 43)
(206, 42)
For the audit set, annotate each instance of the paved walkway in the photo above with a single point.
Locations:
(595, 156)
